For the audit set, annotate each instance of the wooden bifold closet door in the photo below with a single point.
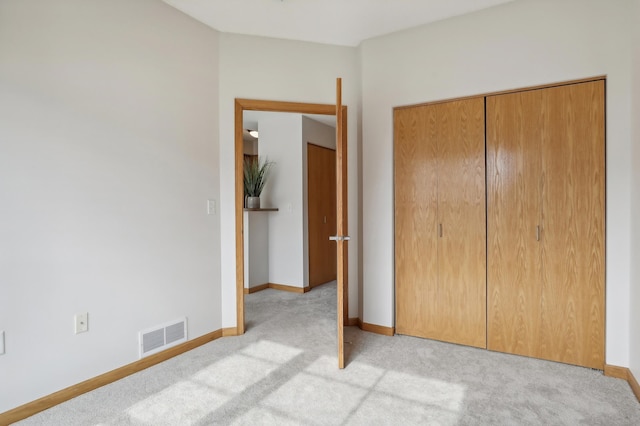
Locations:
(440, 221)
(545, 223)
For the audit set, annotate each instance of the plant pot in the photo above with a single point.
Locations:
(253, 202)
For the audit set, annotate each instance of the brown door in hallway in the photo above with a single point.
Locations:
(321, 213)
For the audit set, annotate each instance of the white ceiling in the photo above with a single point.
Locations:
(340, 22)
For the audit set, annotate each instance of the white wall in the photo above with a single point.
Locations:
(280, 143)
(516, 45)
(322, 135)
(317, 133)
(263, 68)
(108, 153)
(634, 300)
(256, 248)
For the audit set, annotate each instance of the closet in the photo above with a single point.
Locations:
(515, 266)
(440, 224)
(545, 223)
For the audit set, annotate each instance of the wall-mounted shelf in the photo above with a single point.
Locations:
(261, 210)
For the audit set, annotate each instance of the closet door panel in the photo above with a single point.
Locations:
(461, 314)
(514, 132)
(572, 299)
(416, 263)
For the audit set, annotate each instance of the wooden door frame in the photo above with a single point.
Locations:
(242, 105)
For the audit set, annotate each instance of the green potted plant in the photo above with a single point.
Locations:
(256, 171)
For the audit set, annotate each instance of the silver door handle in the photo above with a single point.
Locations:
(339, 238)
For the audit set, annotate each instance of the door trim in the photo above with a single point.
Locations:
(242, 105)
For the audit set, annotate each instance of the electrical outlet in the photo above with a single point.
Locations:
(211, 207)
(82, 322)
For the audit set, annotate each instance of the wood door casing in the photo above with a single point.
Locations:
(545, 156)
(321, 212)
(440, 184)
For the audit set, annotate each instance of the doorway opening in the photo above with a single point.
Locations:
(242, 105)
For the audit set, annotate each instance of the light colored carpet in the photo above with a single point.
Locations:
(283, 371)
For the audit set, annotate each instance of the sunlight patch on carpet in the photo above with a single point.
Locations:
(438, 393)
(360, 394)
(356, 373)
(271, 351)
(183, 403)
(265, 417)
(187, 402)
(315, 400)
(235, 373)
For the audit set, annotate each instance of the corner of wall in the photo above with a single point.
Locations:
(634, 299)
